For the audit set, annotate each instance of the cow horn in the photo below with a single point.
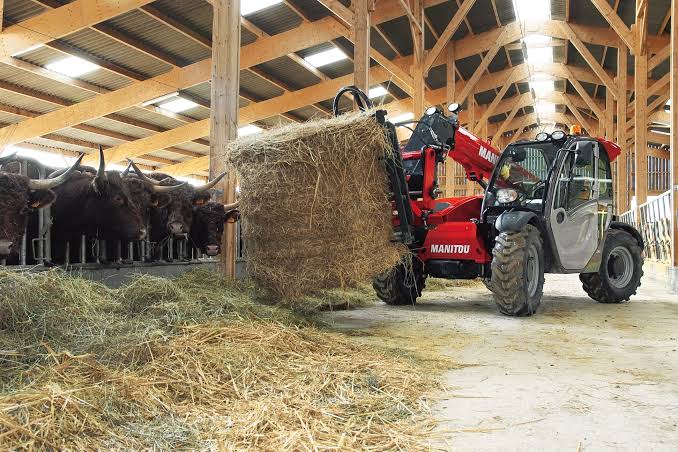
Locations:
(101, 172)
(45, 184)
(210, 185)
(229, 207)
(157, 188)
(126, 172)
(7, 158)
(140, 173)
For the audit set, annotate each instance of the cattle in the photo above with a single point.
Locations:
(104, 205)
(176, 218)
(18, 195)
(208, 225)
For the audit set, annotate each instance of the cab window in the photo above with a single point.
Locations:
(577, 179)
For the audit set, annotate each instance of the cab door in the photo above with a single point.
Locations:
(574, 211)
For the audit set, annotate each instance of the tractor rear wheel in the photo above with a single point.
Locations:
(402, 284)
(517, 279)
(620, 270)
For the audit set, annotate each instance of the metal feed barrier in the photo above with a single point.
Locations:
(654, 223)
(36, 245)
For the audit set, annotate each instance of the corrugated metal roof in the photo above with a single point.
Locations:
(275, 19)
(197, 14)
(285, 69)
(102, 46)
(19, 10)
(481, 16)
(29, 103)
(394, 31)
(41, 84)
(154, 33)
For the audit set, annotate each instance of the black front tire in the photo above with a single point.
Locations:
(402, 284)
(620, 271)
(517, 281)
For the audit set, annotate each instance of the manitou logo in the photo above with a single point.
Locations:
(451, 249)
(488, 155)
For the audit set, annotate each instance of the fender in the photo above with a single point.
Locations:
(513, 221)
(631, 230)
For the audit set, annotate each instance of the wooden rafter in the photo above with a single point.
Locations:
(487, 59)
(446, 35)
(615, 23)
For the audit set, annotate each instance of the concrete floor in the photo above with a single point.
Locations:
(577, 376)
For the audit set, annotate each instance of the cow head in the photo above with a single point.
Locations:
(177, 217)
(208, 225)
(18, 195)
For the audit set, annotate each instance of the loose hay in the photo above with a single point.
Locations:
(221, 372)
(314, 201)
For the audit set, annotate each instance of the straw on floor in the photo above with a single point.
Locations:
(192, 363)
(314, 203)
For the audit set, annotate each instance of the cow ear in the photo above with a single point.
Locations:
(41, 198)
(201, 199)
(160, 200)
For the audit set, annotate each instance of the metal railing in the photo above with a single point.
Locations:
(653, 220)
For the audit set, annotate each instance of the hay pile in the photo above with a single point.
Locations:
(192, 363)
(314, 200)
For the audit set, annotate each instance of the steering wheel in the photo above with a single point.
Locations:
(361, 99)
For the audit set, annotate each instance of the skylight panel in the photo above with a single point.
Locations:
(178, 105)
(536, 40)
(249, 129)
(72, 66)
(541, 55)
(252, 6)
(532, 10)
(325, 57)
(542, 88)
(545, 107)
(377, 91)
(160, 99)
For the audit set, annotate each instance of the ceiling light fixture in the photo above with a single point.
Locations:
(377, 91)
(326, 57)
(178, 105)
(72, 66)
(249, 129)
(252, 6)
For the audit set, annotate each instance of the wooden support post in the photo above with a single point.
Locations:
(418, 71)
(361, 45)
(609, 118)
(674, 136)
(640, 119)
(622, 172)
(224, 109)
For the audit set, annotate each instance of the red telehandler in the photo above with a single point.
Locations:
(547, 208)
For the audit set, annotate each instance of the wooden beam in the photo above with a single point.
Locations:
(450, 76)
(673, 180)
(446, 35)
(659, 57)
(415, 20)
(2, 13)
(593, 106)
(224, 113)
(580, 118)
(339, 10)
(487, 59)
(498, 98)
(497, 135)
(616, 23)
(57, 23)
(418, 71)
(361, 45)
(589, 58)
(640, 120)
(621, 173)
(641, 26)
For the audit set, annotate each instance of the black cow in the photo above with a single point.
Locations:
(18, 195)
(176, 218)
(104, 205)
(208, 225)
